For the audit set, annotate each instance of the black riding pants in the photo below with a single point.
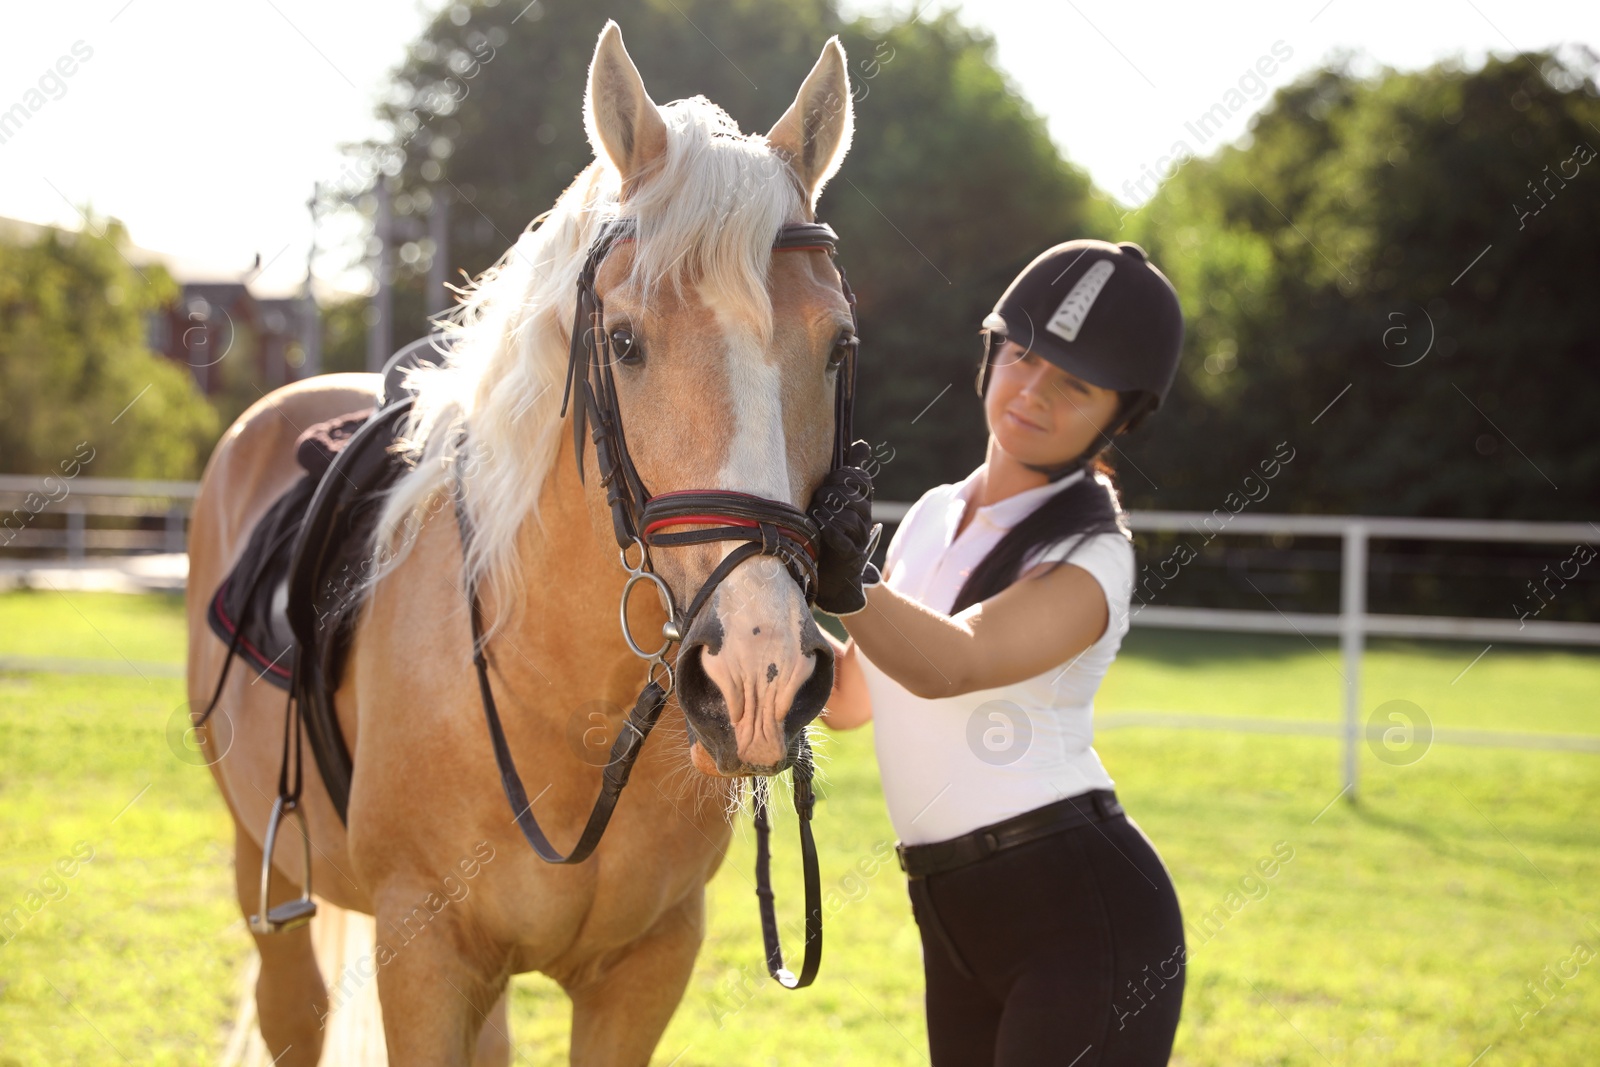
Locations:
(1066, 951)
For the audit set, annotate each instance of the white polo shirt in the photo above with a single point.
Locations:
(953, 764)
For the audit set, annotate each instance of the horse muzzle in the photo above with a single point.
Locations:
(749, 682)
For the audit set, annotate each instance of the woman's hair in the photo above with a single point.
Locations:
(1081, 510)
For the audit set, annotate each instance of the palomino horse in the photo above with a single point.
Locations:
(733, 390)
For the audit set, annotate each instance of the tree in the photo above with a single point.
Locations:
(952, 184)
(1360, 219)
(75, 368)
(344, 335)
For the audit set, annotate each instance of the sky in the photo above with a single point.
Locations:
(203, 126)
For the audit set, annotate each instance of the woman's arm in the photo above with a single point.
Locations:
(850, 705)
(1034, 624)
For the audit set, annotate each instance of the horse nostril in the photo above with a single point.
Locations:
(705, 704)
(814, 693)
(701, 698)
(695, 686)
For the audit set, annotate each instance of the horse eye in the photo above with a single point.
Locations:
(841, 351)
(625, 348)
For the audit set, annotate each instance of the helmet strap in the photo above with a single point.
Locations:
(992, 341)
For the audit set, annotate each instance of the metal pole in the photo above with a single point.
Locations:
(175, 539)
(381, 329)
(1352, 620)
(76, 538)
(438, 300)
(311, 317)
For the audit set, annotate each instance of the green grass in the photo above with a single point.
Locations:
(136, 954)
(103, 626)
(1517, 688)
(1402, 931)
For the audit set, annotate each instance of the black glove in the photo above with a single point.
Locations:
(842, 510)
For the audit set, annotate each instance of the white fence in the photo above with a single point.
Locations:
(1353, 623)
(25, 499)
(166, 505)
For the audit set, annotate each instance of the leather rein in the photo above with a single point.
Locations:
(639, 519)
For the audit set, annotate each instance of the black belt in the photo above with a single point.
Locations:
(1097, 805)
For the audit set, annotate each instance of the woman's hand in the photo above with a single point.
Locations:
(842, 510)
(850, 705)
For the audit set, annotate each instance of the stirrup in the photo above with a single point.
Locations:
(295, 913)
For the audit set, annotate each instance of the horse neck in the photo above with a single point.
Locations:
(572, 583)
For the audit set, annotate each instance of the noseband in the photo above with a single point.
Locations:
(639, 518)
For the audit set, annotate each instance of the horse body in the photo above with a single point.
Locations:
(422, 730)
(430, 849)
(581, 924)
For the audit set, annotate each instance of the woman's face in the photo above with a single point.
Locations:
(1039, 413)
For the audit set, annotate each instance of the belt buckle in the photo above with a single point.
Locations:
(900, 857)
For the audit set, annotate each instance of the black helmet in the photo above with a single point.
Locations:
(1097, 310)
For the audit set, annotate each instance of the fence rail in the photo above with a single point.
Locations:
(24, 498)
(99, 487)
(1353, 623)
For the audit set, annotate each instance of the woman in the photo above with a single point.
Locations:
(1050, 928)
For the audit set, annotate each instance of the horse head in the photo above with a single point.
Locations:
(725, 357)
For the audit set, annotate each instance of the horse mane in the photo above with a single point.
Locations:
(706, 213)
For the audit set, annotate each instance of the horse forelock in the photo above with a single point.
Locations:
(706, 214)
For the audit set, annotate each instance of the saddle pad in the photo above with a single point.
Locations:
(254, 596)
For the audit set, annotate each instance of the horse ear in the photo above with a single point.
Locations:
(623, 123)
(814, 134)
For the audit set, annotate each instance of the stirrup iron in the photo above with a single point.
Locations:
(295, 913)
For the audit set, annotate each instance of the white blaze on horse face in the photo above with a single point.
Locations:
(757, 459)
(760, 665)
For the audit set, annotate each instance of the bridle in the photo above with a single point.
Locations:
(640, 520)
(771, 527)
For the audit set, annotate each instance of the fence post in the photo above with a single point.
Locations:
(175, 539)
(75, 531)
(1352, 633)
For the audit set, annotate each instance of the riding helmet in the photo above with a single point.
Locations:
(1097, 310)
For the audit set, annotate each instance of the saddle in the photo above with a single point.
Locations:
(288, 607)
